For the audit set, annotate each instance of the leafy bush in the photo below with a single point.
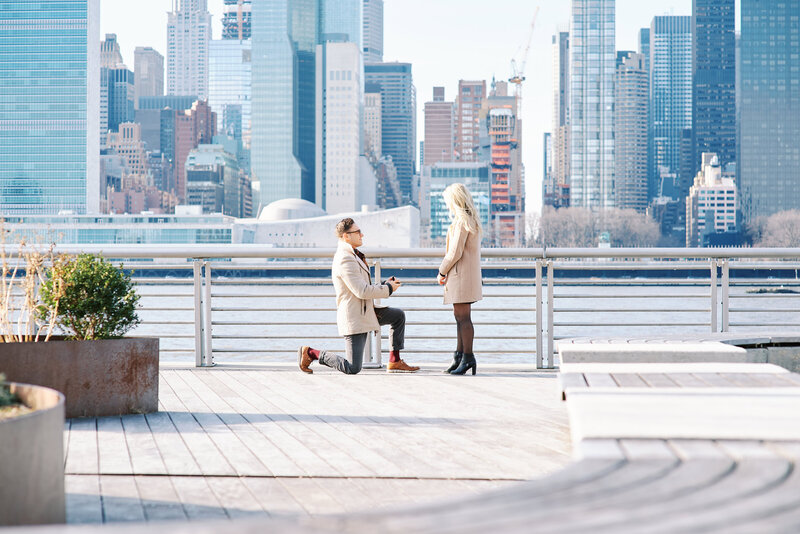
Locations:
(89, 298)
(6, 397)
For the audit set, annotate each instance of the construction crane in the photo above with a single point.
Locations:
(518, 75)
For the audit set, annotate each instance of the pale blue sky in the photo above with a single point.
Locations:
(445, 40)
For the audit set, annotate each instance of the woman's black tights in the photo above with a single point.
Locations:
(466, 332)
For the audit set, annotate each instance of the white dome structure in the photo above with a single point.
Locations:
(290, 208)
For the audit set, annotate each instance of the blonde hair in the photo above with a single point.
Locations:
(459, 201)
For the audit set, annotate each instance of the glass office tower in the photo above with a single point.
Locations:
(229, 86)
(769, 165)
(670, 97)
(49, 107)
(285, 35)
(592, 72)
(343, 17)
(714, 69)
(398, 118)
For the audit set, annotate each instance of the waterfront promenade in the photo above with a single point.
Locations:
(237, 441)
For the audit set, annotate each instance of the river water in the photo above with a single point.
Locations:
(266, 322)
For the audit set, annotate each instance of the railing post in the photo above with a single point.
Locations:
(373, 348)
(202, 314)
(725, 295)
(199, 356)
(539, 329)
(208, 360)
(550, 308)
(714, 302)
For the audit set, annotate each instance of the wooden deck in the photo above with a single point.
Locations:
(270, 441)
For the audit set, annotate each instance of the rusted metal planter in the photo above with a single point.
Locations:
(32, 460)
(104, 377)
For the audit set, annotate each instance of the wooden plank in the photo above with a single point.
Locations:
(82, 457)
(347, 434)
(160, 502)
(300, 449)
(84, 504)
(198, 500)
(274, 498)
(219, 426)
(236, 498)
(121, 501)
(339, 441)
(177, 458)
(112, 448)
(571, 380)
(208, 458)
(794, 377)
(627, 380)
(658, 380)
(145, 456)
(600, 380)
(690, 380)
(746, 379)
(716, 380)
(314, 499)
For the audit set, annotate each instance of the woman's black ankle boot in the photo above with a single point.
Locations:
(456, 361)
(467, 363)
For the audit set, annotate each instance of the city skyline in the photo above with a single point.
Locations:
(440, 56)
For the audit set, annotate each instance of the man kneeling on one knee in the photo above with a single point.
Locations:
(356, 313)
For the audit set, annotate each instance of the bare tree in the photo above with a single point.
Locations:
(779, 230)
(579, 227)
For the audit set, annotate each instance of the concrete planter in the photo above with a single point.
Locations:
(32, 460)
(104, 377)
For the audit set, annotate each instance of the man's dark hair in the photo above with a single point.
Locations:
(343, 226)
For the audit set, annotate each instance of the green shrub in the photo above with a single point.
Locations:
(6, 397)
(89, 298)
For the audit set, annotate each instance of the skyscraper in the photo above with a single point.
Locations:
(560, 121)
(439, 129)
(630, 132)
(49, 117)
(373, 31)
(283, 99)
(769, 146)
(110, 53)
(714, 83)
(471, 96)
(338, 184)
(591, 97)
(120, 90)
(229, 93)
(148, 69)
(398, 118)
(188, 38)
(500, 144)
(236, 20)
(342, 18)
(670, 97)
(372, 121)
(644, 46)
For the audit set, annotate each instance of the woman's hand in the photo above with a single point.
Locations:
(441, 279)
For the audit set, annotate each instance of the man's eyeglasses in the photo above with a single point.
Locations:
(355, 232)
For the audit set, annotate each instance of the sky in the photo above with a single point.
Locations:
(445, 41)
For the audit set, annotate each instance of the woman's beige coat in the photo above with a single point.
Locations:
(355, 311)
(462, 265)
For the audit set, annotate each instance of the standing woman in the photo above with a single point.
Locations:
(460, 272)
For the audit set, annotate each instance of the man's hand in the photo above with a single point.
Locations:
(394, 282)
(441, 279)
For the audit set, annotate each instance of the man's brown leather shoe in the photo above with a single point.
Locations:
(401, 367)
(304, 360)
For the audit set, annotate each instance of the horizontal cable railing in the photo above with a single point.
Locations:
(246, 302)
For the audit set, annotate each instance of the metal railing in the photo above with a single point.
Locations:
(234, 303)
